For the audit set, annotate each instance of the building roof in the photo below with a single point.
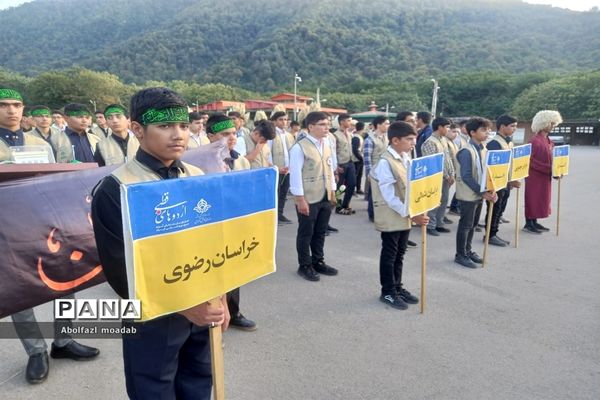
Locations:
(290, 97)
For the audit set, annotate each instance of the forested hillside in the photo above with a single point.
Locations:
(343, 45)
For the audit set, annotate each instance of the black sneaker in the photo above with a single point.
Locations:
(448, 221)
(496, 241)
(410, 243)
(406, 296)
(478, 229)
(475, 257)
(242, 323)
(505, 241)
(393, 301)
(540, 227)
(532, 229)
(332, 229)
(465, 261)
(308, 273)
(324, 269)
(454, 211)
(432, 232)
(283, 220)
(441, 229)
(504, 220)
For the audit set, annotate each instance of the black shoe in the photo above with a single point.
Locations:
(496, 241)
(481, 225)
(327, 233)
(360, 192)
(332, 229)
(242, 323)
(308, 273)
(465, 261)
(324, 269)
(406, 296)
(441, 229)
(283, 220)
(37, 368)
(532, 229)
(454, 211)
(478, 229)
(74, 351)
(540, 227)
(410, 243)
(505, 241)
(393, 301)
(432, 232)
(475, 257)
(504, 220)
(448, 221)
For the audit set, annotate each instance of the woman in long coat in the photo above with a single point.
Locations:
(538, 186)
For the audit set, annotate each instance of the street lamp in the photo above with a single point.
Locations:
(94, 104)
(434, 97)
(296, 80)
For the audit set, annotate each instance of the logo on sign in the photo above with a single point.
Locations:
(167, 216)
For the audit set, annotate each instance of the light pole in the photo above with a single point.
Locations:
(94, 104)
(434, 96)
(296, 80)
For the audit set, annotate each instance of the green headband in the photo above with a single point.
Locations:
(40, 112)
(166, 115)
(114, 110)
(221, 126)
(78, 113)
(10, 94)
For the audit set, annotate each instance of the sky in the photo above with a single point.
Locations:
(578, 5)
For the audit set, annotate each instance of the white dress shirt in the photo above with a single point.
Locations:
(385, 177)
(297, 163)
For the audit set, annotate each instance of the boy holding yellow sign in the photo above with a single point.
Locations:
(388, 183)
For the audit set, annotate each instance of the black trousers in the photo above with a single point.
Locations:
(358, 166)
(282, 191)
(348, 178)
(393, 247)
(310, 240)
(168, 359)
(469, 216)
(233, 302)
(497, 210)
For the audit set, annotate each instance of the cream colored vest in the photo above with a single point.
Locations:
(261, 160)
(60, 142)
(452, 150)
(28, 140)
(111, 151)
(464, 192)
(503, 143)
(134, 171)
(343, 147)
(277, 151)
(192, 144)
(386, 219)
(361, 143)
(316, 172)
(241, 163)
(379, 147)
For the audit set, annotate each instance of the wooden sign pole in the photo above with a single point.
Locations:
(488, 227)
(517, 223)
(216, 356)
(558, 208)
(423, 264)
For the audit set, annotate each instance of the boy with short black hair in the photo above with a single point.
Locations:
(388, 183)
(468, 180)
(120, 146)
(61, 146)
(78, 120)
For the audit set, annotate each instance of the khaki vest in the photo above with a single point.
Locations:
(97, 131)
(464, 141)
(379, 147)
(241, 163)
(28, 140)
(343, 147)
(192, 144)
(464, 192)
(60, 143)
(386, 219)
(277, 150)
(111, 151)
(134, 171)
(361, 143)
(316, 172)
(261, 160)
(453, 151)
(503, 144)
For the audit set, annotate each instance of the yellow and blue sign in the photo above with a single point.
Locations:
(190, 240)
(560, 160)
(425, 183)
(497, 167)
(520, 162)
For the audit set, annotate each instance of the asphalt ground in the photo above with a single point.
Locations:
(525, 327)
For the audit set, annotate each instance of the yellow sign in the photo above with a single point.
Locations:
(560, 160)
(425, 184)
(520, 162)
